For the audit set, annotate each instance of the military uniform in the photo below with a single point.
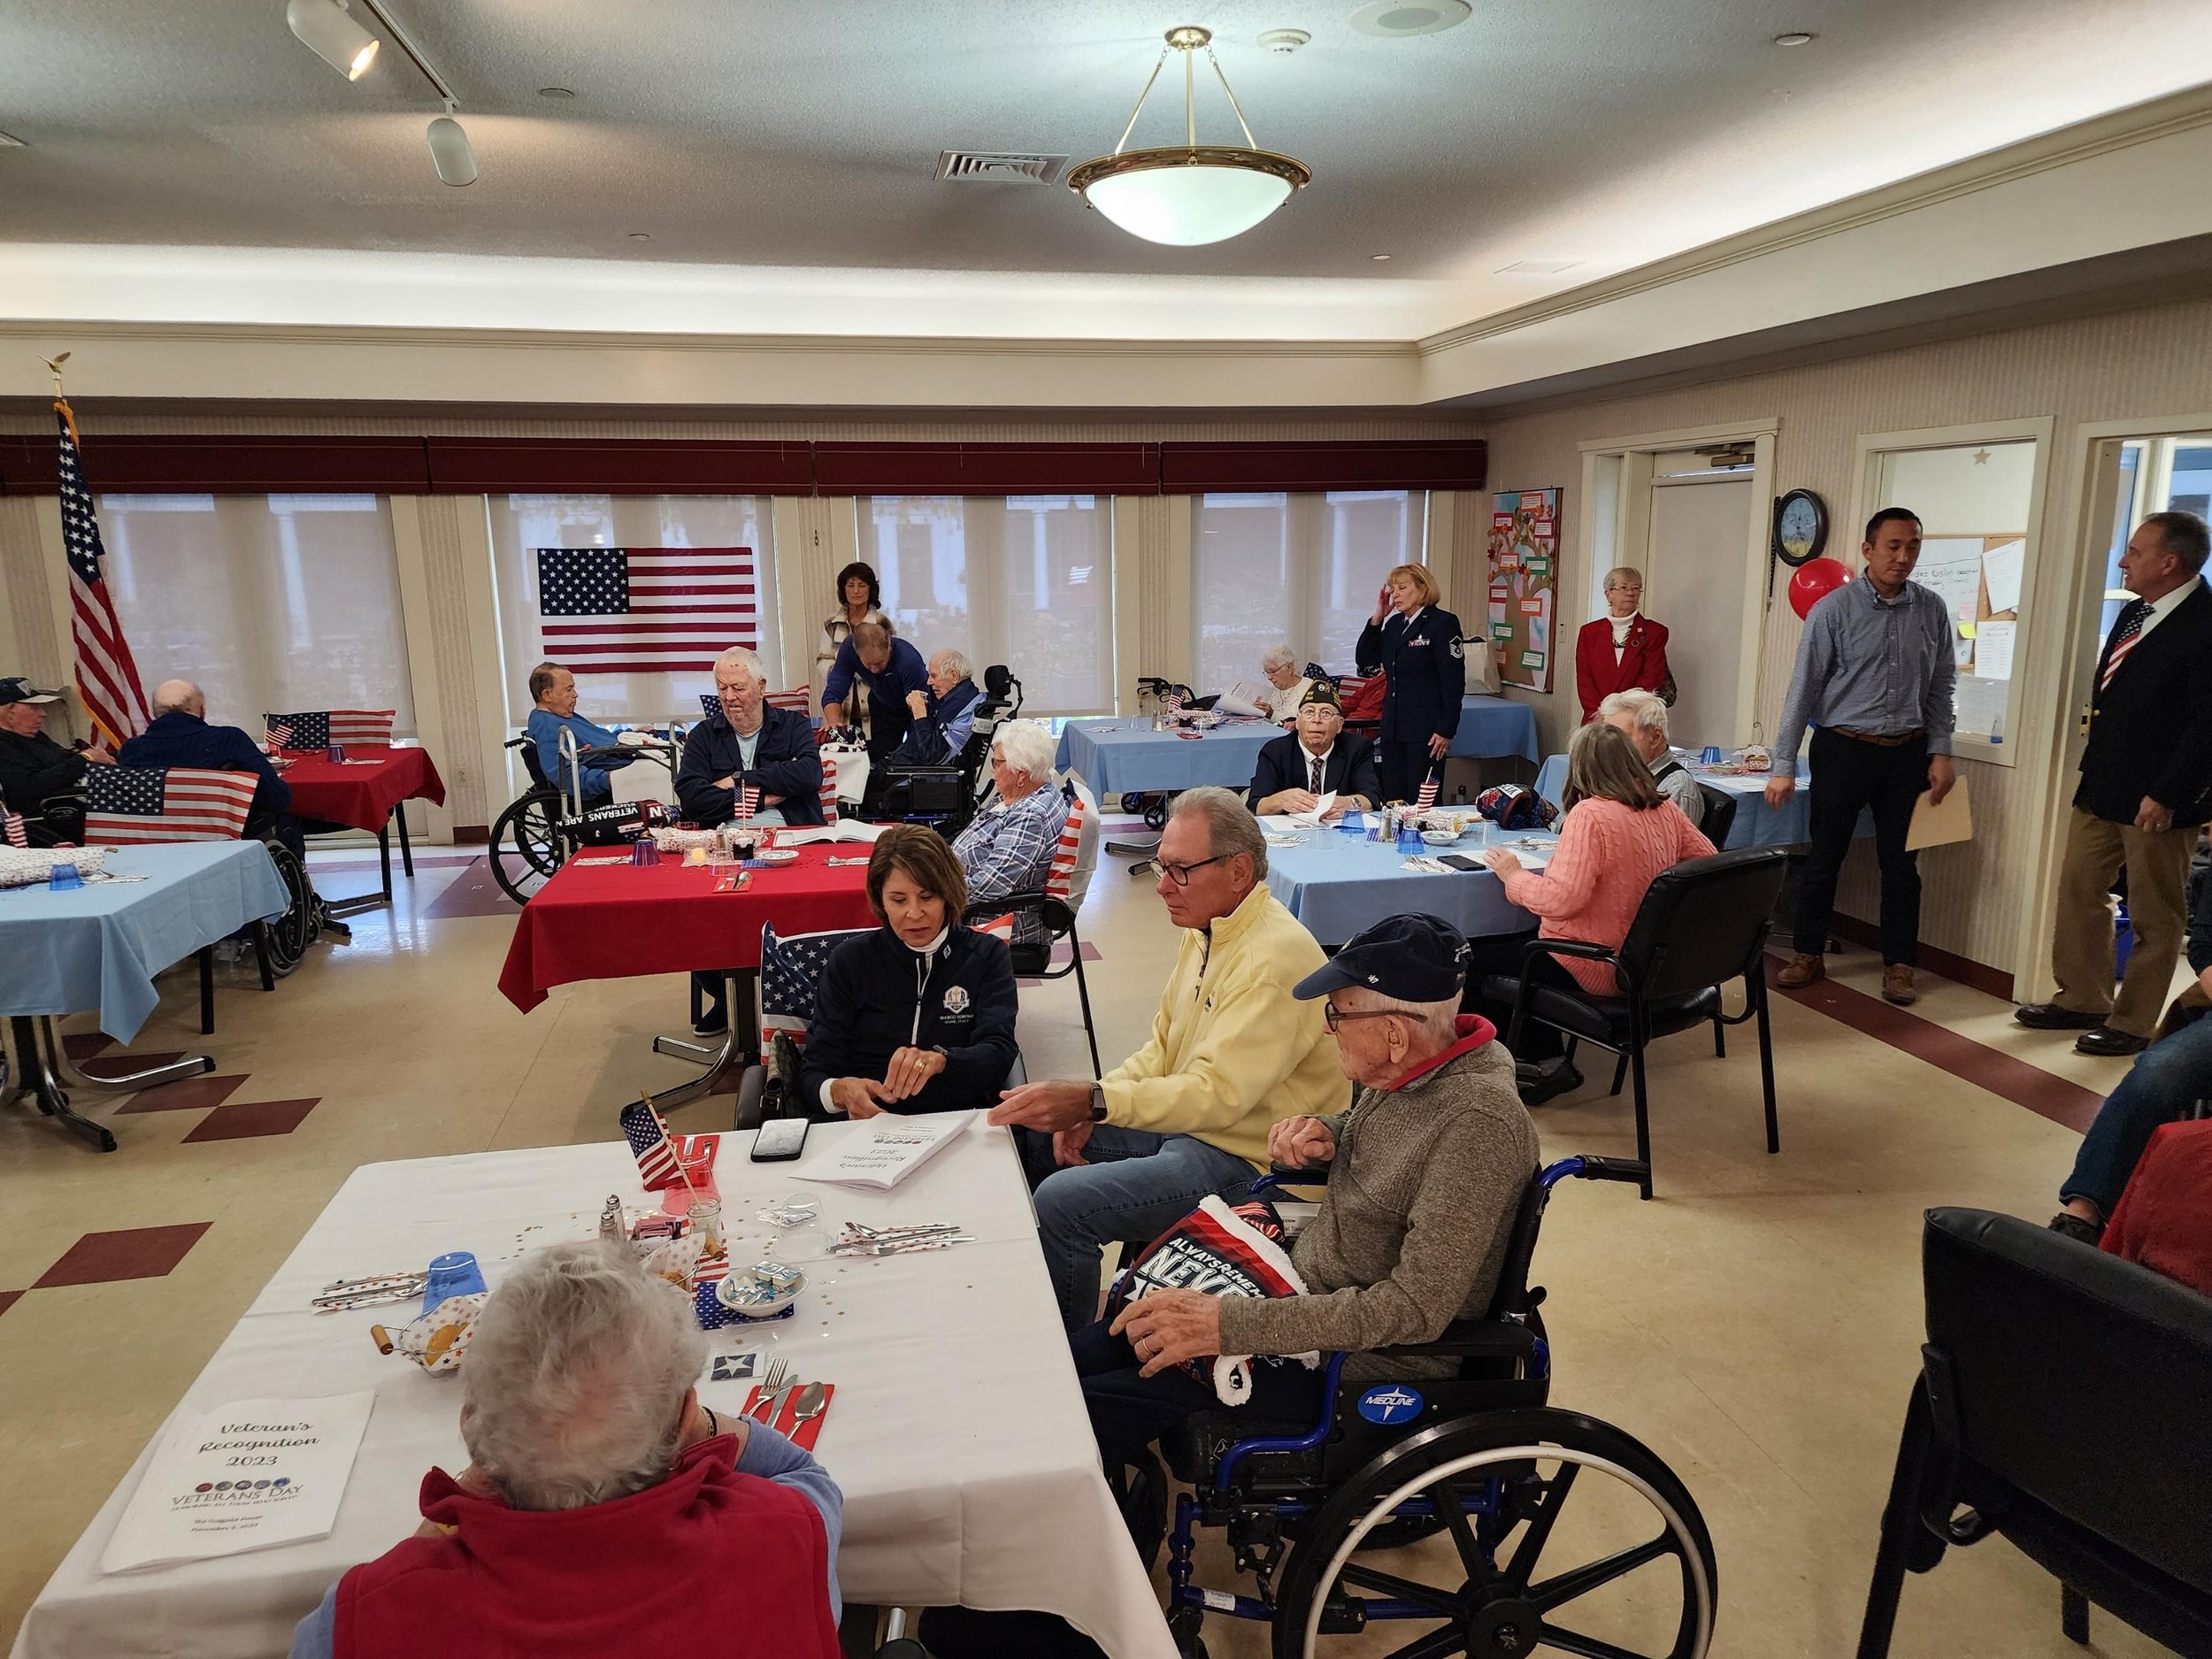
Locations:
(1424, 668)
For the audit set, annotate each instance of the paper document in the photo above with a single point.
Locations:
(845, 829)
(1243, 699)
(888, 1150)
(1312, 820)
(2001, 569)
(1934, 825)
(1992, 650)
(250, 1475)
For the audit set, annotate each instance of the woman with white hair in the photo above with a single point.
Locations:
(606, 1510)
(1287, 685)
(1008, 847)
(1623, 651)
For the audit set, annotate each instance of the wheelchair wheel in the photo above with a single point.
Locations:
(1156, 813)
(1565, 1534)
(301, 923)
(525, 846)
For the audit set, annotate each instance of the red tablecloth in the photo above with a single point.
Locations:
(618, 921)
(362, 797)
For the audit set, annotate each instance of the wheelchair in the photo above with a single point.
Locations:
(1463, 1509)
(1157, 695)
(947, 795)
(543, 826)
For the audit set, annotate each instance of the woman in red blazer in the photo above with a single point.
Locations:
(1625, 651)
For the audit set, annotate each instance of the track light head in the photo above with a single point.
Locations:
(451, 152)
(324, 29)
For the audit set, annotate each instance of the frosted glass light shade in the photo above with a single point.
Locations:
(1186, 197)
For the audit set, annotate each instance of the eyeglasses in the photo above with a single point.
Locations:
(1331, 1016)
(1180, 874)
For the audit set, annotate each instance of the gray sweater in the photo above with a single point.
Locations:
(1413, 1229)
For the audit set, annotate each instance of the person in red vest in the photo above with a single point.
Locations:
(605, 1511)
(1623, 651)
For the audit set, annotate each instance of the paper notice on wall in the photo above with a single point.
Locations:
(1980, 703)
(2001, 569)
(250, 1475)
(1532, 659)
(1951, 568)
(1992, 650)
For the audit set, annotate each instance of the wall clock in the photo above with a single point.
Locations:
(1800, 527)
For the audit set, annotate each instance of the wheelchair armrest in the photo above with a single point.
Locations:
(518, 742)
(1474, 1340)
(1635, 1172)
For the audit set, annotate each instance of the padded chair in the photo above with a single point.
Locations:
(1702, 922)
(1056, 905)
(2063, 1400)
(1719, 817)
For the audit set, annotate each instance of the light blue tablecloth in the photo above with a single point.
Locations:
(101, 945)
(1756, 825)
(1122, 756)
(1337, 884)
(1493, 727)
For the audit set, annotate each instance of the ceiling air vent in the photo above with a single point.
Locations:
(1001, 164)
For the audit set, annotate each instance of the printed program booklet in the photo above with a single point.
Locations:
(884, 1151)
(250, 1475)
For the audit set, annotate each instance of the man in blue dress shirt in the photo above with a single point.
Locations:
(553, 689)
(1876, 673)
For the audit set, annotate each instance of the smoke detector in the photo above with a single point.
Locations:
(1001, 164)
(1394, 20)
(1283, 42)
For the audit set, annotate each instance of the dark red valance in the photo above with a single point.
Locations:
(987, 469)
(1190, 469)
(619, 466)
(227, 466)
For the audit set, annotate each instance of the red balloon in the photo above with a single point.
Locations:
(1813, 582)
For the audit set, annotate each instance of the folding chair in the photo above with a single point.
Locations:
(1056, 905)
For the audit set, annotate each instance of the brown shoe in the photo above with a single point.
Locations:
(1897, 985)
(1799, 971)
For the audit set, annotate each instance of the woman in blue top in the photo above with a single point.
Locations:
(553, 688)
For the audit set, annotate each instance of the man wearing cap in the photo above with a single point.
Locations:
(34, 768)
(1297, 768)
(1426, 1174)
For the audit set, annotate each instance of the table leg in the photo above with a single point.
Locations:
(29, 1073)
(206, 954)
(57, 1062)
(406, 850)
(739, 1045)
(370, 901)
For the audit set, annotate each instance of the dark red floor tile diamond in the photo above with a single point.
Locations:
(246, 1118)
(191, 1093)
(97, 1258)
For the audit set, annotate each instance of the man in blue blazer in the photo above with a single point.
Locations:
(1296, 770)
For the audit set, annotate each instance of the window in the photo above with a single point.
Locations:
(1269, 568)
(1026, 580)
(269, 603)
(522, 525)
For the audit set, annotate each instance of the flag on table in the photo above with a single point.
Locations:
(1173, 701)
(128, 805)
(319, 728)
(649, 1144)
(107, 675)
(1426, 798)
(17, 835)
(646, 611)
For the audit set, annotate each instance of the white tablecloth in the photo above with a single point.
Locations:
(958, 1432)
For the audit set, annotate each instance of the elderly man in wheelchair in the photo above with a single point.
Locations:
(1388, 1455)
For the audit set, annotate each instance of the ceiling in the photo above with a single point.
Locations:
(774, 134)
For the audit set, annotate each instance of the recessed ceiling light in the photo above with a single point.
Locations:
(1378, 258)
(1393, 20)
(1796, 37)
(641, 236)
(555, 92)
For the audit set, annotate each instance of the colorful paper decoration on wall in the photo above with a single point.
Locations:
(1524, 585)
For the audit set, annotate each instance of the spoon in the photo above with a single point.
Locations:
(812, 1401)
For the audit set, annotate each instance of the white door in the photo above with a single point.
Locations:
(1694, 584)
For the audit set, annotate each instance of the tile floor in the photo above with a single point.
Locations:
(1756, 1325)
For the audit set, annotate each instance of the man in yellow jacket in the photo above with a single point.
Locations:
(1232, 1050)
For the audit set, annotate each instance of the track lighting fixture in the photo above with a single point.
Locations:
(324, 29)
(451, 152)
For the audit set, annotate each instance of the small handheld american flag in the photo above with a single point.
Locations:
(649, 1144)
(132, 805)
(1426, 798)
(748, 801)
(279, 734)
(1173, 700)
(17, 836)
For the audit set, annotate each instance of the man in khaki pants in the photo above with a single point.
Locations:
(2146, 791)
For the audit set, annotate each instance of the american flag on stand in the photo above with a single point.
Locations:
(17, 835)
(131, 805)
(1426, 797)
(790, 969)
(107, 675)
(646, 611)
(650, 1144)
(1173, 701)
(319, 728)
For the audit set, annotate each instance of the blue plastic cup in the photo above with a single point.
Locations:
(64, 877)
(453, 1274)
(335, 754)
(644, 851)
(1711, 755)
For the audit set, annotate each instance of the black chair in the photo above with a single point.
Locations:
(1701, 924)
(1719, 816)
(2063, 1400)
(1054, 906)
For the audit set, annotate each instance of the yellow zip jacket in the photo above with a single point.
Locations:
(1232, 1050)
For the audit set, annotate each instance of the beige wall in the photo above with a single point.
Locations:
(2150, 363)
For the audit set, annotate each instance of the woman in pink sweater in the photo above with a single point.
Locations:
(1618, 834)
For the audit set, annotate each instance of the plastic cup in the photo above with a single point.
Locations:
(64, 877)
(1711, 754)
(453, 1274)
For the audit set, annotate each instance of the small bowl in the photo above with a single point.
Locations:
(1440, 837)
(749, 1296)
(776, 856)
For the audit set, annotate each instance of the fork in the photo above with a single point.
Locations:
(770, 1401)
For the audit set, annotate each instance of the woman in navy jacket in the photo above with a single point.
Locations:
(1415, 646)
(919, 1015)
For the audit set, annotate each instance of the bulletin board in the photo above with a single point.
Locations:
(1978, 579)
(1524, 586)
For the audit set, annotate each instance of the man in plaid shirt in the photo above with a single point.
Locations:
(1009, 848)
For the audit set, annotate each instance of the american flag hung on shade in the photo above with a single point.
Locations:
(128, 805)
(107, 675)
(649, 1143)
(790, 968)
(319, 728)
(646, 611)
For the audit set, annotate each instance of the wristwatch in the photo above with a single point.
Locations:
(1098, 1104)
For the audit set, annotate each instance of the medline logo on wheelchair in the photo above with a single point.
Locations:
(1391, 1402)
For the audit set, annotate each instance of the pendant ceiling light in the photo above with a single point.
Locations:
(1189, 194)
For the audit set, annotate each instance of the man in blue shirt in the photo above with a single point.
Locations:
(553, 688)
(892, 675)
(1876, 673)
(181, 736)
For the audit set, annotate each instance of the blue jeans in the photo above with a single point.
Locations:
(1136, 1185)
(2167, 1078)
